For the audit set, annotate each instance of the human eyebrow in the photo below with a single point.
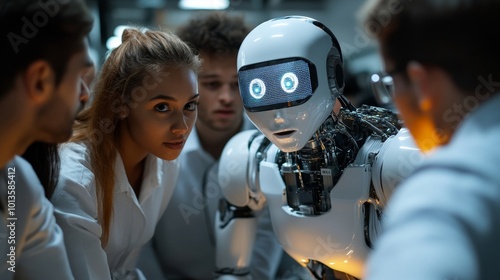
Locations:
(208, 76)
(166, 97)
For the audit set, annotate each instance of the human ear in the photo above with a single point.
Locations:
(420, 81)
(39, 79)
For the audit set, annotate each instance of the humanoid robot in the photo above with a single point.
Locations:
(325, 171)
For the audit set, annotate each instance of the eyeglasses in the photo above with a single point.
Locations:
(383, 88)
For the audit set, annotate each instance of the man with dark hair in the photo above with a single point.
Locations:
(443, 221)
(44, 50)
(43, 156)
(184, 241)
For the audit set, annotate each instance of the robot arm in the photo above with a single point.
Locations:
(236, 221)
(397, 158)
(236, 174)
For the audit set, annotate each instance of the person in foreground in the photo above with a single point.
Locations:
(40, 95)
(442, 222)
(44, 157)
(119, 170)
(188, 249)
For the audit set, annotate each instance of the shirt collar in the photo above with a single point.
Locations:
(152, 177)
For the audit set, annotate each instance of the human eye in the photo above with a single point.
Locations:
(235, 86)
(162, 107)
(212, 84)
(191, 106)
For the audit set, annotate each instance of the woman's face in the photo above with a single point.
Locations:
(162, 112)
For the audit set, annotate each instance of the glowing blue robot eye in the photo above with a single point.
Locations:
(289, 82)
(257, 88)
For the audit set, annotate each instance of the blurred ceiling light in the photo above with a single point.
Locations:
(153, 4)
(203, 4)
(115, 40)
(118, 31)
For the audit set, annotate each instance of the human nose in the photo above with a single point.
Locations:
(84, 91)
(181, 123)
(227, 94)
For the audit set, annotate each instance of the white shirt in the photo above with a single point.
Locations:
(184, 238)
(28, 217)
(443, 222)
(134, 219)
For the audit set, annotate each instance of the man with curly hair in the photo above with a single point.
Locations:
(184, 243)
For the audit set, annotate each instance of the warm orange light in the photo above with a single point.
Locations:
(427, 137)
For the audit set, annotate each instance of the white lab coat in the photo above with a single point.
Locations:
(29, 218)
(134, 219)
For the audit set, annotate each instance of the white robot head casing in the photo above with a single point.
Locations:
(290, 73)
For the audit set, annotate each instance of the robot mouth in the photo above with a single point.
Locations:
(284, 134)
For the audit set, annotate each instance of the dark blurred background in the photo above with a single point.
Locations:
(359, 50)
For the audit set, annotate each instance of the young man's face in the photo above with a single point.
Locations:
(57, 116)
(221, 108)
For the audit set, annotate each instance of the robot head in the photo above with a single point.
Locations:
(290, 73)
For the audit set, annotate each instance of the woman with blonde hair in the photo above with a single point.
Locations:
(119, 170)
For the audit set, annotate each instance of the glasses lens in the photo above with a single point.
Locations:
(383, 88)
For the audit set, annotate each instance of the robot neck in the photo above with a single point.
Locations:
(312, 172)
